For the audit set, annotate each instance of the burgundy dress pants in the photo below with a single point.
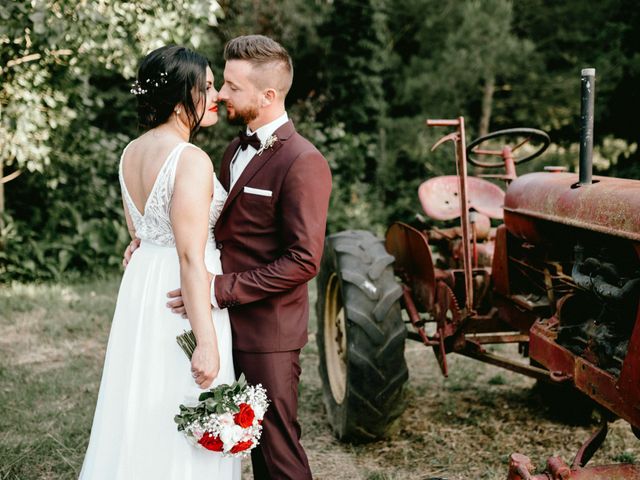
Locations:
(279, 456)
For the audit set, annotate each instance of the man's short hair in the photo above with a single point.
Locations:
(265, 55)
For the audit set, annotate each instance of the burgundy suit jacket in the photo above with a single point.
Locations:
(271, 246)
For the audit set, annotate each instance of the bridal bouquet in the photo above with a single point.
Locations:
(228, 418)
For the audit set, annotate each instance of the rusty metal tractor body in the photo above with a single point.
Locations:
(558, 273)
(560, 277)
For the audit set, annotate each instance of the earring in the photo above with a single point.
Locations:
(177, 110)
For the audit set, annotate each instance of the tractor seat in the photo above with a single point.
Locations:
(440, 201)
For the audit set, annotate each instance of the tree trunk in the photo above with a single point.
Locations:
(487, 104)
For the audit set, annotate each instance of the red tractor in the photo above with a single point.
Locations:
(559, 276)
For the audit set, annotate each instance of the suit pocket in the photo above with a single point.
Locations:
(258, 199)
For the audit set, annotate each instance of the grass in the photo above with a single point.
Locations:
(52, 343)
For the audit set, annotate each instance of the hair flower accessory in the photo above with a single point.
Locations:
(142, 87)
(267, 144)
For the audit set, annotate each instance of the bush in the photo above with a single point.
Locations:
(69, 218)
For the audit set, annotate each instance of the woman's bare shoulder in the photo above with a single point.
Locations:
(194, 161)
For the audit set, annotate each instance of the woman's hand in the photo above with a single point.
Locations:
(132, 247)
(205, 365)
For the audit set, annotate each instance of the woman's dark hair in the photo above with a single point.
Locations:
(169, 76)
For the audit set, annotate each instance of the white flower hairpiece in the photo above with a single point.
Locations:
(268, 143)
(142, 88)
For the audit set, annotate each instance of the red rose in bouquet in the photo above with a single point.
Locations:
(245, 416)
(211, 442)
(241, 446)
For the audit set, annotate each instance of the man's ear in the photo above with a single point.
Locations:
(268, 97)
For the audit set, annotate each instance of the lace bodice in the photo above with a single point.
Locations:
(154, 225)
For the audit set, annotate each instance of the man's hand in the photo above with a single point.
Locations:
(132, 247)
(176, 304)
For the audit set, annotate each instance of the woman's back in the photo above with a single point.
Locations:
(147, 176)
(142, 161)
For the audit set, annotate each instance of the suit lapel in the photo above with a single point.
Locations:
(225, 169)
(256, 163)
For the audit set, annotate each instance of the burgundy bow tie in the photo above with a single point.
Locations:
(246, 140)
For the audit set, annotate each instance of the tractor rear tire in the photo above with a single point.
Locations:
(361, 337)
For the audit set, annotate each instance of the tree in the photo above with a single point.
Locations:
(65, 113)
(572, 36)
(51, 50)
(356, 61)
(465, 52)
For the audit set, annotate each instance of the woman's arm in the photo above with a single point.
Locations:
(130, 226)
(190, 205)
(135, 241)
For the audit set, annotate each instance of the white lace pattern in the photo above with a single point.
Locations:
(154, 224)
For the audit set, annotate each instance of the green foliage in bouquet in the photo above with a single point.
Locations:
(217, 400)
(187, 342)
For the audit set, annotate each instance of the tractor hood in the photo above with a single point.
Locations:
(608, 205)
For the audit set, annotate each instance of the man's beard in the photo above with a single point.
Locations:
(242, 117)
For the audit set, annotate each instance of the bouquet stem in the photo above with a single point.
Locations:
(187, 342)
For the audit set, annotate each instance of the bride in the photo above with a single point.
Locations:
(171, 201)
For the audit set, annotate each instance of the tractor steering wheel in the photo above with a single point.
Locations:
(526, 135)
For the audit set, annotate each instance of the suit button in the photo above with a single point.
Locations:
(219, 245)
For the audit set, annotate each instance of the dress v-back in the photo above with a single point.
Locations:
(154, 223)
(146, 375)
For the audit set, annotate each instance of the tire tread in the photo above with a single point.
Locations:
(376, 367)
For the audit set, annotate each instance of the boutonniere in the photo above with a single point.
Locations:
(267, 144)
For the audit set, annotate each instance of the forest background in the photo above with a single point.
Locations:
(367, 75)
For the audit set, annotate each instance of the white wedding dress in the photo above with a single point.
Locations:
(146, 375)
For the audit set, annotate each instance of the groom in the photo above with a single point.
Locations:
(270, 234)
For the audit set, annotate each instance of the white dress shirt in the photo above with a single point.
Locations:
(240, 161)
(242, 157)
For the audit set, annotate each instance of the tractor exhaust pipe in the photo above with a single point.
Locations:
(588, 82)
